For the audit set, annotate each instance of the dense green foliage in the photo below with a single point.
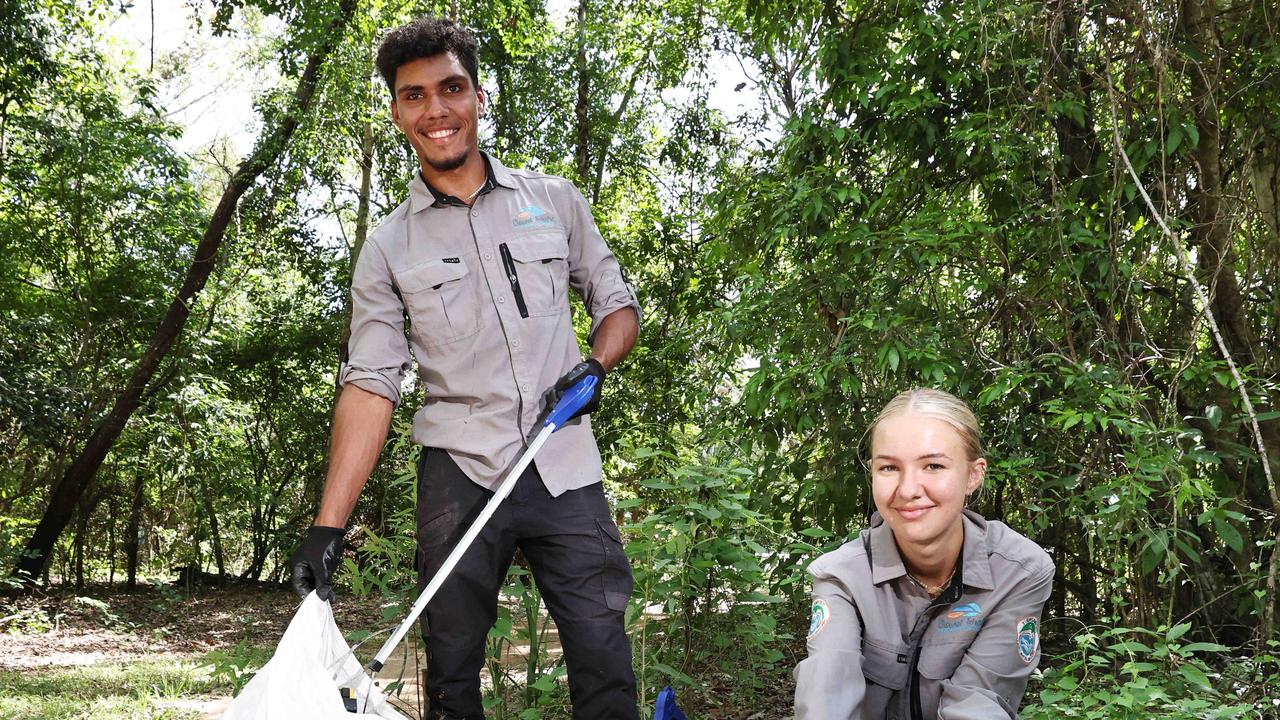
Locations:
(920, 195)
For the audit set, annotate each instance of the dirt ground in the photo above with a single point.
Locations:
(61, 629)
(154, 621)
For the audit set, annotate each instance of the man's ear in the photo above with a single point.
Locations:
(395, 112)
(482, 100)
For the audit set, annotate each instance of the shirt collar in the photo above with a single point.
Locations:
(423, 195)
(886, 563)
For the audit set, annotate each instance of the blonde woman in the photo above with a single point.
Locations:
(934, 612)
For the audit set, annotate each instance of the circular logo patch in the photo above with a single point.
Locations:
(818, 616)
(1028, 638)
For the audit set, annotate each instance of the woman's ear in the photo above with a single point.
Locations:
(977, 471)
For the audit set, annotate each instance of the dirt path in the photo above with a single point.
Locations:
(67, 629)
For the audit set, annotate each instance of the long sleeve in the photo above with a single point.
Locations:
(829, 682)
(377, 353)
(990, 679)
(594, 271)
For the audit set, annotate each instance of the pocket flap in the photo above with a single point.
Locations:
(537, 249)
(430, 274)
(939, 662)
(880, 666)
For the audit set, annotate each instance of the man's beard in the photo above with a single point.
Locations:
(447, 164)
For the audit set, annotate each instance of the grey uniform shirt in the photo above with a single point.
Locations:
(485, 289)
(973, 648)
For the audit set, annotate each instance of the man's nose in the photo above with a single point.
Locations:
(436, 106)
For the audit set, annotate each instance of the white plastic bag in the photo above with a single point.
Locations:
(303, 678)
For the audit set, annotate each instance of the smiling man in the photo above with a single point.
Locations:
(479, 260)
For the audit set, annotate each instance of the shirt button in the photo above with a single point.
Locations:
(475, 213)
(524, 387)
(488, 256)
(515, 342)
(502, 301)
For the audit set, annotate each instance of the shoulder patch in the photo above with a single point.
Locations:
(1028, 638)
(819, 614)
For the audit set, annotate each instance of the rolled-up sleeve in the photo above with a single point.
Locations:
(992, 676)
(829, 682)
(377, 353)
(593, 270)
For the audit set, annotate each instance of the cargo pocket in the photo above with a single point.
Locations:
(441, 299)
(543, 270)
(615, 576)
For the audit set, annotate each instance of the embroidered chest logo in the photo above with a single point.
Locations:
(532, 216)
(1028, 638)
(966, 617)
(818, 616)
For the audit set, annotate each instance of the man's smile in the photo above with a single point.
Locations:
(441, 133)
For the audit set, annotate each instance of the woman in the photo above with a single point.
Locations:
(933, 612)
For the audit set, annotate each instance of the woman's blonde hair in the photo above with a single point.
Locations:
(936, 404)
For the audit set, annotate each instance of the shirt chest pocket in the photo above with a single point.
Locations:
(540, 269)
(440, 296)
(939, 662)
(881, 666)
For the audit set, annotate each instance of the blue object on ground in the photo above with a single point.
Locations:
(665, 708)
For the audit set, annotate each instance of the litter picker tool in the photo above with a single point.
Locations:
(571, 402)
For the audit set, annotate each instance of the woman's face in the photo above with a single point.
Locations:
(920, 475)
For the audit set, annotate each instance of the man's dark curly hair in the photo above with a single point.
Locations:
(426, 37)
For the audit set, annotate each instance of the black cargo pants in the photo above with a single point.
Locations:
(576, 555)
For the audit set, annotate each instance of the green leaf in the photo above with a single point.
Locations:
(1176, 632)
(1229, 534)
(1194, 676)
(1203, 647)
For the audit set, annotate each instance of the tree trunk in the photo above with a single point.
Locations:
(582, 107)
(215, 536)
(131, 533)
(83, 469)
(111, 543)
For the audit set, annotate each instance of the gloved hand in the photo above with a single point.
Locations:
(313, 563)
(589, 367)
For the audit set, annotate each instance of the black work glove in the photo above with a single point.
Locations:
(589, 367)
(314, 562)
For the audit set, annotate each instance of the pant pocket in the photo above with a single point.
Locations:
(615, 576)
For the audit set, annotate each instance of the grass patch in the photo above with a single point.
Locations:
(150, 689)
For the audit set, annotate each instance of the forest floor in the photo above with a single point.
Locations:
(165, 653)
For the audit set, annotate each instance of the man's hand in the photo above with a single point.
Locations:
(566, 381)
(314, 562)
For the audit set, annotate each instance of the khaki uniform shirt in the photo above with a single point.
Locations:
(972, 649)
(485, 290)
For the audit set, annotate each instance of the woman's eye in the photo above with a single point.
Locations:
(934, 467)
(887, 468)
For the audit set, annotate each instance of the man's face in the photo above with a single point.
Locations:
(437, 108)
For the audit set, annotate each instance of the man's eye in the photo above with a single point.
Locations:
(455, 88)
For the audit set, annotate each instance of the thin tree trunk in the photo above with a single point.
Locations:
(582, 107)
(83, 469)
(131, 532)
(207, 502)
(111, 543)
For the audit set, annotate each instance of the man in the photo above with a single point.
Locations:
(479, 258)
